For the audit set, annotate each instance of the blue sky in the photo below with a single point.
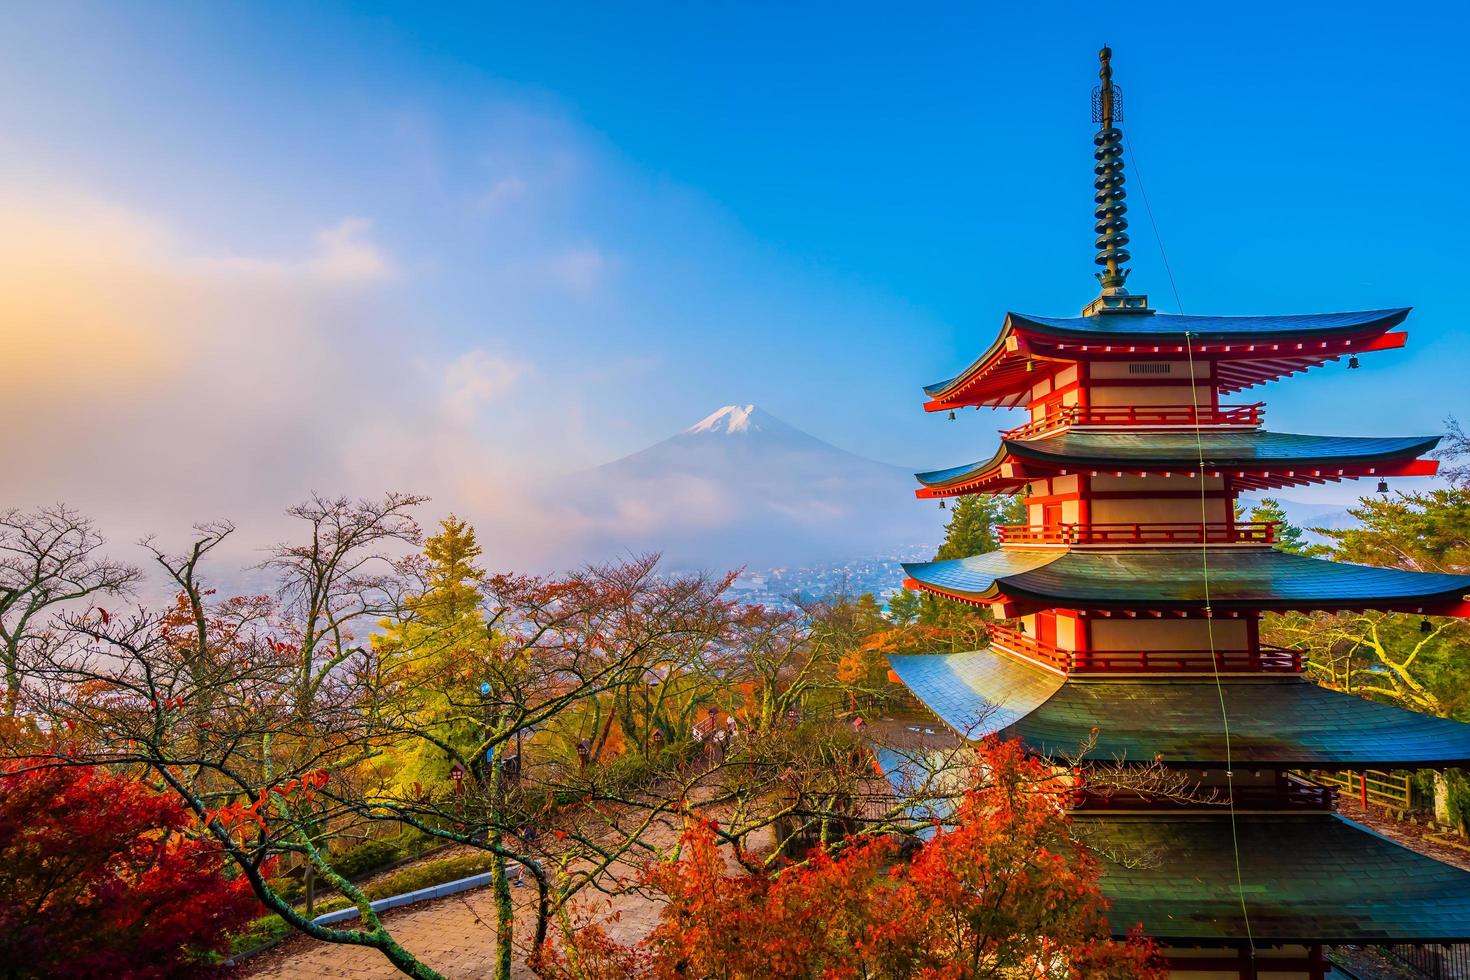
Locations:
(432, 245)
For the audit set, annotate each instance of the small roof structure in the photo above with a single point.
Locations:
(1254, 459)
(1306, 879)
(1279, 722)
(1248, 350)
(1174, 578)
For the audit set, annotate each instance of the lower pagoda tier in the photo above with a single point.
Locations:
(1275, 722)
(1246, 579)
(1308, 879)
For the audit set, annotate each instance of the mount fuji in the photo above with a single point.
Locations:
(743, 488)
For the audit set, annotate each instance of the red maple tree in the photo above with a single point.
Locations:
(1003, 893)
(98, 879)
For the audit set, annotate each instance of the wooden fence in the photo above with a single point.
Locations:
(1391, 790)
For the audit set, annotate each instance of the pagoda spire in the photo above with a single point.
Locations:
(1111, 211)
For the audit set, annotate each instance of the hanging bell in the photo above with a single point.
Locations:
(1020, 627)
(1425, 626)
(1352, 362)
(1383, 486)
(1030, 366)
(942, 505)
(951, 415)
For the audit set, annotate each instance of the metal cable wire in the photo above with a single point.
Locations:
(1148, 209)
(1204, 518)
(1204, 552)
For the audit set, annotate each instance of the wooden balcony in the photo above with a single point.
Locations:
(1151, 533)
(1143, 416)
(1264, 660)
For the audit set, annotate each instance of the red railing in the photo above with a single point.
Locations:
(1139, 415)
(1181, 532)
(1265, 659)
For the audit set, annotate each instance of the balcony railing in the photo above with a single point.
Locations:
(1161, 416)
(1155, 533)
(1265, 659)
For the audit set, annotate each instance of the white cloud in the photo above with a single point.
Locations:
(347, 252)
(476, 378)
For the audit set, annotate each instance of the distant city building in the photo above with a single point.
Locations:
(1132, 600)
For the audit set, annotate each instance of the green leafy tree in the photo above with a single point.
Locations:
(1408, 660)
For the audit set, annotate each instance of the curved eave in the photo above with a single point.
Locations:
(1149, 579)
(994, 475)
(1249, 350)
(1255, 460)
(1285, 723)
(1215, 450)
(1002, 377)
(1151, 328)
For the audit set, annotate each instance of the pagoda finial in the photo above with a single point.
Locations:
(1111, 211)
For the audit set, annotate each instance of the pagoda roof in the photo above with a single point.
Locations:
(1248, 350)
(1306, 879)
(1279, 722)
(1173, 578)
(1259, 459)
(1153, 325)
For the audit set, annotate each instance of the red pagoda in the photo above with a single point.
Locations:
(1132, 600)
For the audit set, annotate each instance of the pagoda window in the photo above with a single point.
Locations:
(1151, 367)
(1175, 371)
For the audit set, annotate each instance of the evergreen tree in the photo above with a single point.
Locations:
(970, 531)
(1289, 537)
(451, 596)
(903, 607)
(427, 647)
(972, 523)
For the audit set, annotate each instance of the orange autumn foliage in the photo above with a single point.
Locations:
(1004, 893)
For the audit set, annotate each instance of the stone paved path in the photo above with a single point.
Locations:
(454, 935)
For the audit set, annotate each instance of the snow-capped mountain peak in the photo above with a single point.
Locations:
(730, 420)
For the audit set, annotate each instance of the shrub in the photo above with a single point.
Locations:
(429, 873)
(98, 878)
(366, 856)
